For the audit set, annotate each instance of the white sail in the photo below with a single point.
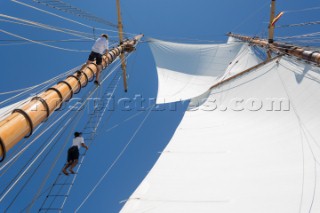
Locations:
(7, 110)
(251, 146)
(188, 70)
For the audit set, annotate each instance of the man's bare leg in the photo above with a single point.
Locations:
(75, 162)
(64, 170)
(98, 74)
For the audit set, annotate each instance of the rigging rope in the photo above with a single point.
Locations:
(299, 24)
(67, 19)
(41, 43)
(302, 10)
(128, 119)
(115, 161)
(44, 84)
(29, 23)
(68, 8)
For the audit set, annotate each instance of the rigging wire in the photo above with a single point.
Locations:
(41, 43)
(300, 36)
(299, 24)
(302, 10)
(68, 8)
(45, 84)
(29, 23)
(250, 16)
(67, 19)
(115, 161)
(128, 119)
(48, 40)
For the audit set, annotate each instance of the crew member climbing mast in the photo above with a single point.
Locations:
(73, 153)
(100, 47)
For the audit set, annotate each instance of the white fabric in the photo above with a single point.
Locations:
(188, 70)
(77, 142)
(7, 110)
(101, 45)
(245, 59)
(244, 161)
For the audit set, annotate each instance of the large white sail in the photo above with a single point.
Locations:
(252, 145)
(188, 70)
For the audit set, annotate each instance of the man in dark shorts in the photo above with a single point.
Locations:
(73, 153)
(100, 47)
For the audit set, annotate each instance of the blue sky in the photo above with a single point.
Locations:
(173, 20)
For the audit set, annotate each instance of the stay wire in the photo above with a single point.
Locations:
(41, 43)
(54, 79)
(29, 23)
(128, 119)
(302, 10)
(68, 8)
(114, 162)
(66, 19)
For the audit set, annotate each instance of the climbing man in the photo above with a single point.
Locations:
(100, 47)
(73, 153)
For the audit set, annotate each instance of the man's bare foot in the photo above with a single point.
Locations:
(71, 171)
(65, 172)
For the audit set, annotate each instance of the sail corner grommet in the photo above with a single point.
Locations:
(4, 151)
(27, 117)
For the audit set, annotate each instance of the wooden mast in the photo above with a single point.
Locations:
(122, 58)
(23, 121)
(299, 52)
(271, 26)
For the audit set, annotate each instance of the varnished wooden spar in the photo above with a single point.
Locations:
(23, 121)
(271, 26)
(299, 52)
(122, 58)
